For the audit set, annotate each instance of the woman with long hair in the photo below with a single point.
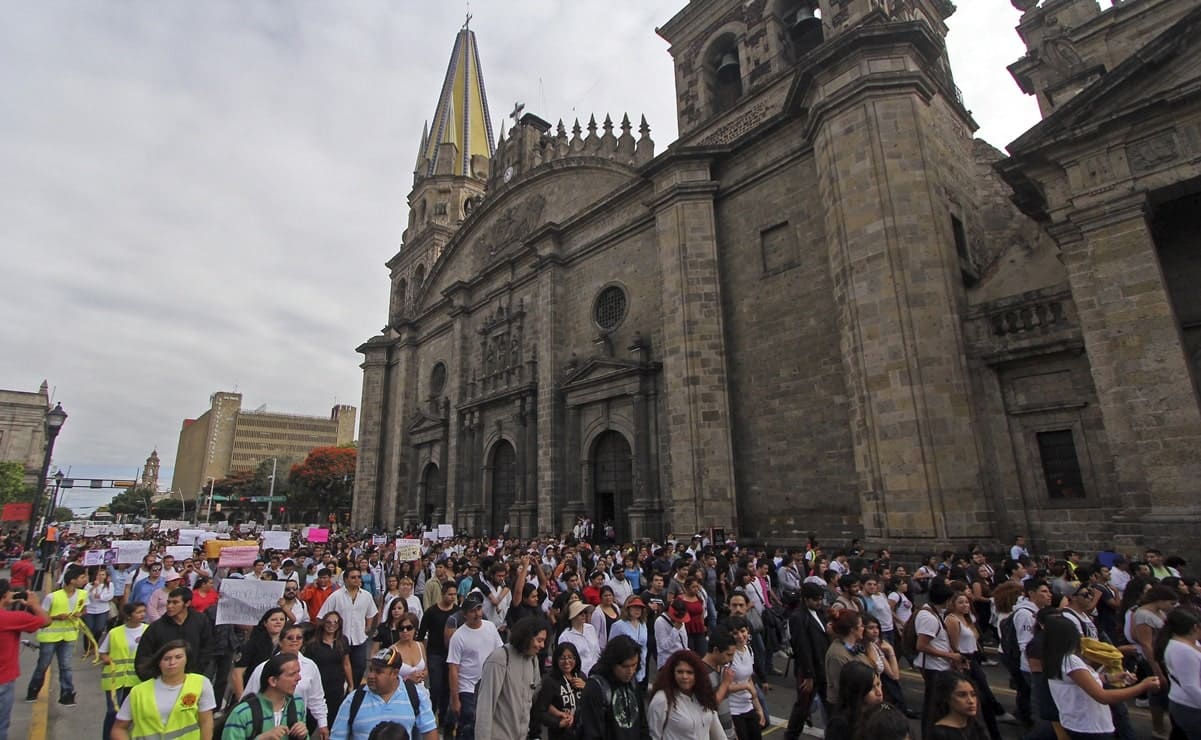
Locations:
(858, 691)
(956, 709)
(746, 712)
(260, 646)
(388, 630)
(1078, 689)
(980, 582)
(897, 592)
(683, 704)
(693, 595)
(884, 657)
(413, 667)
(1178, 653)
(965, 639)
(95, 614)
(190, 697)
(1142, 626)
(611, 708)
(559, 695)
(330, 650)
(605, 615)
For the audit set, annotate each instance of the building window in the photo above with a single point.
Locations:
(609, 310)
(437, 379)
(1061, 466)
(778, 246)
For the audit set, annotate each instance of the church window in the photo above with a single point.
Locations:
(778, 248)
(418, 277)
(1061, 466)
(609, 310)
(437, 378)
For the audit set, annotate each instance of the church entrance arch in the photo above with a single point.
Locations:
(503, 467)
(434, 486)
(612, 484)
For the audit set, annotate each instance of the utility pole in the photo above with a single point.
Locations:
(271, 493)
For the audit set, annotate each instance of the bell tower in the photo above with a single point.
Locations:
(450, 176)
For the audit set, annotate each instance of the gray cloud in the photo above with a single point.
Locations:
(199, 196)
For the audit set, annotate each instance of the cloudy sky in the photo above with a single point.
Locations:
(200, 196)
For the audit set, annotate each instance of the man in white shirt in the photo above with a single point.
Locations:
(670, 637)
(469, 647)
(935, 653)
(1037, 595)
(622, 588)
(358, 611)
(879, 607)
(1018, 551)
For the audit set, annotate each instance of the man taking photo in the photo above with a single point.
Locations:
(18, 614)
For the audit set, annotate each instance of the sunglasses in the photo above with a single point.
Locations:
(405, 628)
(292, 637)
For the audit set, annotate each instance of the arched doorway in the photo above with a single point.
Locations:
(612, 483)
(434, 486)
(504, 485)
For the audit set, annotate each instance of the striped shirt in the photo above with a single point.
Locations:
(375, 710)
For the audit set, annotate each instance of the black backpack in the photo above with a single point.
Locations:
(909, 633)
(1011, 652)
(361, 693)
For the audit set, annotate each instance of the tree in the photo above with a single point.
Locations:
(167, 508)
(236, 484)
(62, 514)
(323, 482)
(12, 484)
(132, 501)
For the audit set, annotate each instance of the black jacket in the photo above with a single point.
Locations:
(809, 644)
(196, 630)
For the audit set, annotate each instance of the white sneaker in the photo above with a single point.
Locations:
(1007, 718)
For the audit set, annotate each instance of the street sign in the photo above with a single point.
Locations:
(124, 483)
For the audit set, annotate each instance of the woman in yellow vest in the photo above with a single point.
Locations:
(173, 705)
(117, 652)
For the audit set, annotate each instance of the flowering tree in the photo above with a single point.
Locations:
(323, 482)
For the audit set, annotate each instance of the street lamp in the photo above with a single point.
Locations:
(271, 492)
(208, 514)
(55, 418)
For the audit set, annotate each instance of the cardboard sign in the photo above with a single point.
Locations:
(277, 540)
(408, 550)
(168, 524)
(318, 534)
(180, 552)
(213, 548)
(243, 601)
(430, 536)
(131, 551)
(238, 556)
(379, 539)
(446, 532)
(189, 537)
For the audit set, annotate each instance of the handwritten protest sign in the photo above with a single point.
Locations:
(131, 551)
(180, 552)
(408, 550)
(277, 540)
(318, 534)
(168, 524)
(243, 601)
(238, 556)
(446, 532)
(379, 539)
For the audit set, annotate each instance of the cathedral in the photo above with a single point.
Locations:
(825, 309)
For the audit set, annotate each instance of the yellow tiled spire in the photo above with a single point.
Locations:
(461, 117)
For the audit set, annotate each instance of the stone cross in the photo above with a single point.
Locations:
(516, 114)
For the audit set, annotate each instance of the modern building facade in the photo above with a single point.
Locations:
(826, 309)
(23, 429)
(227, 439)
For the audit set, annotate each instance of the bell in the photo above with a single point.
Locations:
(727, 67)
(803, 19)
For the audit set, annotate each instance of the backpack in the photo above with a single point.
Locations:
(256, 715)
(1011, 652)
(361, 693)
(909, 633)
(606, 691)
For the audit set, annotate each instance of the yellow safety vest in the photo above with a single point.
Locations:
(65, 630)
(182, 724)
(120, 672)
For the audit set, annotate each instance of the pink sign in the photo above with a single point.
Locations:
(242, 556)
(318, 534)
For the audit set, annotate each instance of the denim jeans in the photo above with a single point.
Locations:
(97, 623)
(439, 685)
(358, 662)
(7, 690)
(466, 716)
(46, 653)
(110, 716)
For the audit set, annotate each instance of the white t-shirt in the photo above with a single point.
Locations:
(1078, 711)
(1184, 666)
(98, 598)
(743, 667)
(354, 613)
(587, 644)
(132, 636)
(929, 624)
(468, 649)
(165, 697)
(904, 607)
(882, 610)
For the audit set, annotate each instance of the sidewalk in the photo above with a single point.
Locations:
(46, 717)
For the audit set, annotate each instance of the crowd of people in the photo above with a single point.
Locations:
(558, 636)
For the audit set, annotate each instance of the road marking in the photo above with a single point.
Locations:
(41, 709)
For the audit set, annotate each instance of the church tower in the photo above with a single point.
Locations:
(150, 472)
(450, 174)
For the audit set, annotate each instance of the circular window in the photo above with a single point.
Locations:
(610, 308)
(437, 379)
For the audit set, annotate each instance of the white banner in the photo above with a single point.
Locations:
(91, 530)
(277, 540)
(180, 552)
(430, 536)
(131, 551)
(166, 524)
(243, 601)
(189, 537)
(446, 532)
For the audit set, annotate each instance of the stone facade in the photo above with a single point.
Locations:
(23, 429)
(826, 309)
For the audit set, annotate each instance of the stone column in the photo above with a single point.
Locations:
(572, 482)
(372, 434)
(694, 353)
(552, 485)
(527, 519)
(1139, 366)
(898, 292)
(642, 512)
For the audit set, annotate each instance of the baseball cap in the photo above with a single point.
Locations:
(473, 600)
(387, 658)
